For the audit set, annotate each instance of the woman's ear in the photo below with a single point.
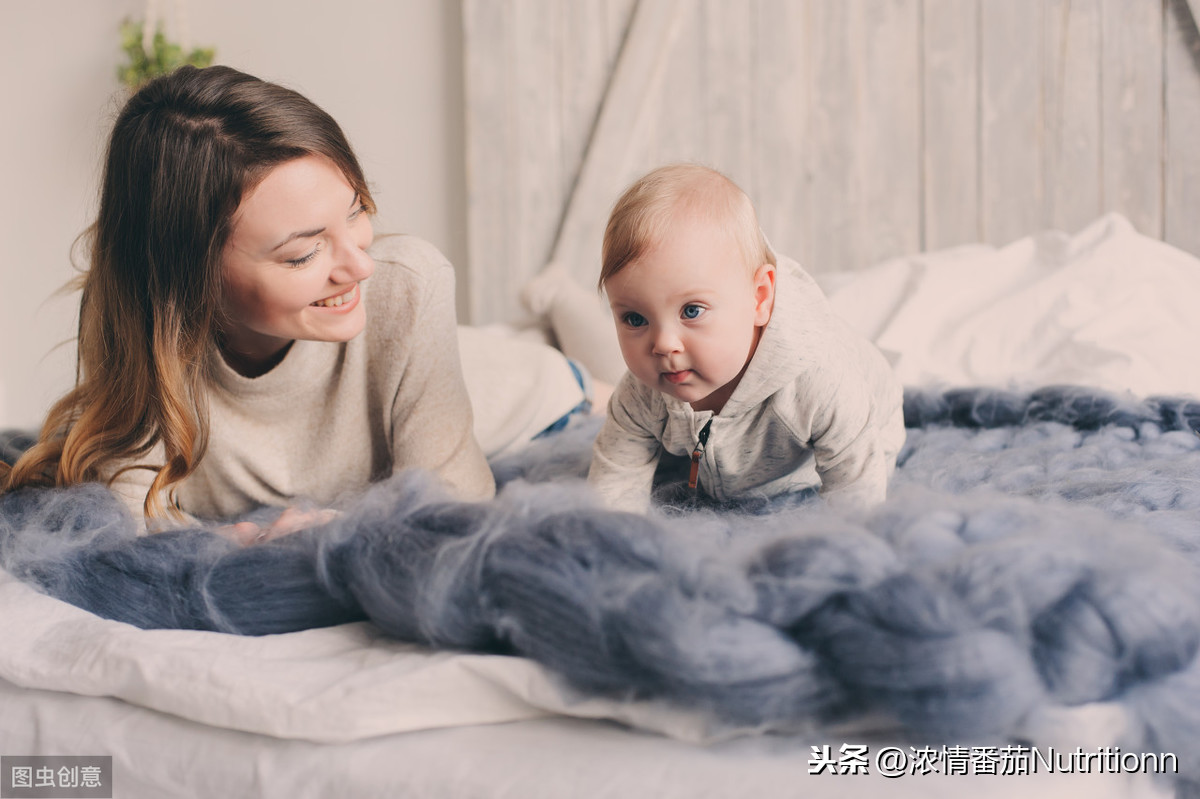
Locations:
(764, 294)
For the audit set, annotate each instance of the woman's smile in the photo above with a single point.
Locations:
(344, 301)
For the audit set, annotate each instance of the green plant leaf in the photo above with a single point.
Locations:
(165, 55)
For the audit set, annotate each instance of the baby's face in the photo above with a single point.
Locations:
(688, 314)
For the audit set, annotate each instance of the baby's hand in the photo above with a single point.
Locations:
(292, 520)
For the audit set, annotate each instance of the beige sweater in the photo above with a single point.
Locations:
(333, 417)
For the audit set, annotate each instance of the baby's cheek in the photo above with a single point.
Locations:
(732, 358)
(628, 351)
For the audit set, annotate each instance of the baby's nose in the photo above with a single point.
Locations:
(666, 341)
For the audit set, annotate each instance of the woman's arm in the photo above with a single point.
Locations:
(432, 421)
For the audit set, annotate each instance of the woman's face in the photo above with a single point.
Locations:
(293, 263)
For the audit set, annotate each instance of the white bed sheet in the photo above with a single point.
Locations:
(162, 756)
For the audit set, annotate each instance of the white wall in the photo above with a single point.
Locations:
(390, 71)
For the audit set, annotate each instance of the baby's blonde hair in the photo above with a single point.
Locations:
(641, 218)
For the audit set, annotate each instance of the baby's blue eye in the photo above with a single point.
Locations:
(692, 311)
(634, 319)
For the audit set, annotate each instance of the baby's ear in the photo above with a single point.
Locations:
(764, 294)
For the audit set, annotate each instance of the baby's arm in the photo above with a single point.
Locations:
(857, 433)
(626, 451)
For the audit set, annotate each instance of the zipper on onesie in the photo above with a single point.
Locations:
(697, 454)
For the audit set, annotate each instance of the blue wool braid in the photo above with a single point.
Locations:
(1038, 549)
(80, 546)
(1081, 408)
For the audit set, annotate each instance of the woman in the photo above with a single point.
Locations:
(230, 353)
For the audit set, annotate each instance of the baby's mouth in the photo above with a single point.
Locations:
(677, 377)
(339, 300)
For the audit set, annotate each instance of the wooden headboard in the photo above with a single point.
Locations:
(862, 129)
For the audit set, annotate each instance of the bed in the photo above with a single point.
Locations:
(1029, 588)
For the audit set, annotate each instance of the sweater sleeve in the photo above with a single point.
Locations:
(626, 451)
(856, 437)
(432, 422)
(132, 485)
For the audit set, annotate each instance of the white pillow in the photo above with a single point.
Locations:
(1108, 308)
(518, 386)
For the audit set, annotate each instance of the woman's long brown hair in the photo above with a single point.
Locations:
(183, 153)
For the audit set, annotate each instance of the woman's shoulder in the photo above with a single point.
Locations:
(409, 253)
(407, 269)
(410, 297)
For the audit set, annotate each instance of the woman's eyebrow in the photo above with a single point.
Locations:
(308, 234)
(300, 234)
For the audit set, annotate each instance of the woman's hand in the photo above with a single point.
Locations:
(292, 520)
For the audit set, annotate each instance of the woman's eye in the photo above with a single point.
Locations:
(359, 211)
(634, 319)
(298, 262)
(692, 311)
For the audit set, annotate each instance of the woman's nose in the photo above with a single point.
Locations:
(353, 263)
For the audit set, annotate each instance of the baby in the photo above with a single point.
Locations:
(735, 358)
